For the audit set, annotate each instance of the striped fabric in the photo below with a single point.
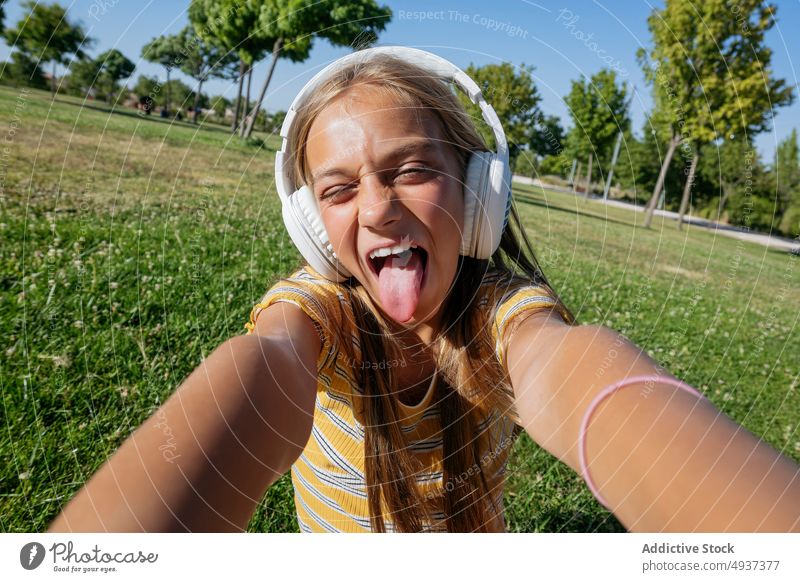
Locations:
(329, 477)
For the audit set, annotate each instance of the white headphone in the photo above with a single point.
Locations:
(487, 195)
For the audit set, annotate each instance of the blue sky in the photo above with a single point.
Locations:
(562, 40)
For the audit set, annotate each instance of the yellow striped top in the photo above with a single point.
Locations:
(329, 476)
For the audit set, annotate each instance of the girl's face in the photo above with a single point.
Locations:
(385, 179)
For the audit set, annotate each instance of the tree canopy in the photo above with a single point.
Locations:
(46, 35)
(512, 92)
(599, 112)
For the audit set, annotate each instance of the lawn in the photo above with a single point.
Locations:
(131, 247)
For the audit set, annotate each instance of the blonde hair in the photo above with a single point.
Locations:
(472, 382)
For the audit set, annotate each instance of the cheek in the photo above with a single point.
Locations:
(339, 223)
(450, 209)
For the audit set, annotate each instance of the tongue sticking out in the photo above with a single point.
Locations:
(399, 282)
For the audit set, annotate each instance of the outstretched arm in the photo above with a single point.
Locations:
(205, 458)
(664, 459)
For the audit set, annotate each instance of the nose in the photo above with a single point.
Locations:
(378, 206)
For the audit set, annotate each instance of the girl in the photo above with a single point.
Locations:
(393, 372)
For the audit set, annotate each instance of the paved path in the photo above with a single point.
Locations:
(774, 242)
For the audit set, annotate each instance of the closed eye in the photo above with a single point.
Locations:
(415, 174)
(337, 191)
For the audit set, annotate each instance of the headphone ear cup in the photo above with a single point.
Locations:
(473, 187)
(304, 224)
(487, 203)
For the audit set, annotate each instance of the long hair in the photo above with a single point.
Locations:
(472, 384)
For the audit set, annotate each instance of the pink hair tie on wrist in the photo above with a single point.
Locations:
(602, 395)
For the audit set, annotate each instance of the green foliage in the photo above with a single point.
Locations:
(273, 121)
(554, 166)
(148, 91)
(549, 137)
(353, 23)
(512, 93)
(525, 164)
(21, 71)
(790, 222)
(752, 210)
(170, 51)
(638, 166)
(232, 25)
(113, 67)
(182, 94)
(218, 104)
(202, 60)
(710, 69)
(46, 35)
(786, 171)
(734, 170)
(163, 50)
(598, 110)
(82, 77)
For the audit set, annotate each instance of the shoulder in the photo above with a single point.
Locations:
(510, 299)
(312, 295)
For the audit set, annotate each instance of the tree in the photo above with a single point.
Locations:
(203, 60)
(727, 165)
(786, 171)
(148, 92)
(83, 75)
(274, 121)
(180, 93)
(23, 70)
(165, 51)
(599, 112)
(219, 104)
(512, 93)
(287, 28)
(711, 75)
(2, 13)
(102, 74)
(47, 36)
(549, 137)
(113, 67)
(734, 169)
(233, 26)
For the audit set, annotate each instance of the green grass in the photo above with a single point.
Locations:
(132, 247)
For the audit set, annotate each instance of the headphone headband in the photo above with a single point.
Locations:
(429, 61)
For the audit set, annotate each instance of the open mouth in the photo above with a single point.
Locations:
(377, 263)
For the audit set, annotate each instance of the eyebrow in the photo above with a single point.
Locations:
(422, 146)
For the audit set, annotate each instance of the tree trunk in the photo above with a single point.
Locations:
(577, 179)
(169, 97)
(53, 82)
(197, 101)
(588, 179)
(687, 189)
(238, 98)
(607, 185)
(662, 175)
(727, 189)
(251, 120)
(243, 123)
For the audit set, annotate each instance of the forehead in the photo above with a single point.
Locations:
(367, 121)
